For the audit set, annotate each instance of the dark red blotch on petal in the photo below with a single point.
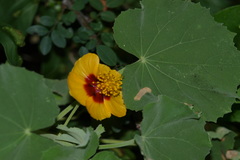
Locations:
(91, 89)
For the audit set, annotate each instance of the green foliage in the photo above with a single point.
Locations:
(167, 127)
(107, 55)
(15, 17)
(10, 48)
(24, 99)
(175, 56)
(180, 79)
(106, 155)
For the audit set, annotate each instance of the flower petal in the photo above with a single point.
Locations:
(116, 106)
(86, 65)
(76, 87)
(97, 110)
(103, 69)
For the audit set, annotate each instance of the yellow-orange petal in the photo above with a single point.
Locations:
(97, 110)
(76, 88)
(116, 106)
(86, 65)
(103, 69)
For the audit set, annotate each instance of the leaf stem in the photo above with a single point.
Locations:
(116, 143)
(71, 115)
(64, 112)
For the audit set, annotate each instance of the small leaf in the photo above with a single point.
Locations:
(82, 51)
(81, 137)
(78, 5)
(96, 4)
(114, 3)
(73, 136)
(10, 49)
(220, 147)
(69, 18)
(96, 26)
(18, 14)
(47, 21)
(107, 39)
(99, 130)
(230, 18)
(93, 15)
(108, 16)
(37, 29)
(58, 39)
(91, 44)
(65, 32)
(219, 133)
(16, 35)
(58, 152)
(45, 45)
(107, 55)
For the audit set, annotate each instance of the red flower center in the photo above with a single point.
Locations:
(92, 89)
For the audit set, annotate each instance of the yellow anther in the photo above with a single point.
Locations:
(109, 84)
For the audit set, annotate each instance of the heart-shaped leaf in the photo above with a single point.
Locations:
(183, 53)
(171, 131)
(27, 105)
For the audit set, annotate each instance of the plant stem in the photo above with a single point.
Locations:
(64, 112)
(116, 143)
(71, 115)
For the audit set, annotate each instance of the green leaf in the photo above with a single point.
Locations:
(99, 130)
(107, 39)
(219, 133)
(237, 41)
(73, 137)
(45, 45)
(230, 18)
(80, 136)
(18, 13)
(107, 55)
(27, 105)
(37, 29)
(183, 53)
(114, 3)
(58, 39)
(96, 26)
(108, 16)
(106, 155)
(47, 21)
(10, 49)
(96, 4)
(215, 5)
(65, 32)
(69, 18)
(91, 44)
(60, 90)
(16, 35)
(170, 129)
(82, 51)
(78, 5)
(72, 153)
(220, 147)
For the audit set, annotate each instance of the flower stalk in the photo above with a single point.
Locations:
(112, 143)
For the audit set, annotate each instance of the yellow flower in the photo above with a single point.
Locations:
(97, 87)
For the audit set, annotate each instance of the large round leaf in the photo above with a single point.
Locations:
(171, 131)
(183, 53)
(26, 105)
